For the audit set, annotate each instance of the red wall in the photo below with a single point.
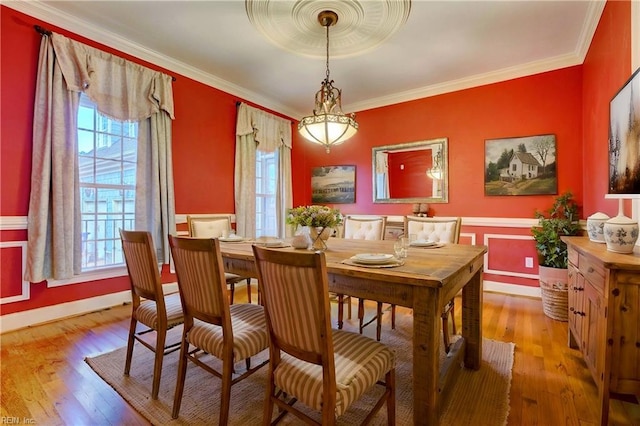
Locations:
(606, 68)
(548, 103)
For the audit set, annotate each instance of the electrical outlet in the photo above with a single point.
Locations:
(528, 262)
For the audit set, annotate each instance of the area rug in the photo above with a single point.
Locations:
(476, 398)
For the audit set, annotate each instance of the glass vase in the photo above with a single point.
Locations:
(317, 239)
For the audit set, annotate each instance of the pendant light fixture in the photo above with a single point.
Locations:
(328, 125)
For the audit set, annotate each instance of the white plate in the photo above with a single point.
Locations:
(373, 258)
(423, 243)
(432, 246)
(231, 239)
(276, 244)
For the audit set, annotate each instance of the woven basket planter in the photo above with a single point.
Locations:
(554, 287)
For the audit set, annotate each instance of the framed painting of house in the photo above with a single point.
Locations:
(333, 184)
(624, 134)
(521, 166)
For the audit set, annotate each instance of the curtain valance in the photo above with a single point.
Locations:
(270, 131)
(120, 88)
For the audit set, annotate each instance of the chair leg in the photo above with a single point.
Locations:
(379, 321)
(249, 290)
(268, 404)
(390, 382)
(453, 319)
(393, 317)
(340, 311)
(161, 336)
(182, 372)
(130, 343)
(227, 371)
(349, 306)
(232, 290)
(448, 309)
(361, 314)
(445, 333)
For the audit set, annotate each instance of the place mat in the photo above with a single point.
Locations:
(233, 240)
(475, 398)
(429, 246)
(392, 264)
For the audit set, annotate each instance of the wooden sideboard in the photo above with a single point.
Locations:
(604, 316)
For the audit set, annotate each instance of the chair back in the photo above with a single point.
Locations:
(295, 294)
(437, 229)
(365, 227)
(201, 281)
(210, 226)
(142, 265)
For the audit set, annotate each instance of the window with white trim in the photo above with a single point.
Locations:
(266, 185)
(107, 151)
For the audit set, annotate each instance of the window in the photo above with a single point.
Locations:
(107, 167)
(266, 184)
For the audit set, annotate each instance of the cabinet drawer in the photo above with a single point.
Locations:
(592, 271)
(573, 257)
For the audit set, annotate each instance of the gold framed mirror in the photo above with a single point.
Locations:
(414, 172)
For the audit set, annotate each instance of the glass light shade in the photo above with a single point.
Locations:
(328, 129)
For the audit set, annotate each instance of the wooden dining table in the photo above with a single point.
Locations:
(427, 280)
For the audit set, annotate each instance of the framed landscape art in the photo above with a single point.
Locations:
(521, 166)
(624, 139)
(333, 184)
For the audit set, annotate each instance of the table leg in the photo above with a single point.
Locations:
(340, 310)
(472, 321)
(426, 363)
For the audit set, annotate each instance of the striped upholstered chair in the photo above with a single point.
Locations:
(214, 226)
(324, 369)
(231, 333)
(150, 306)
(365, 228)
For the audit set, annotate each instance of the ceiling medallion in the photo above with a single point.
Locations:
(293, 25)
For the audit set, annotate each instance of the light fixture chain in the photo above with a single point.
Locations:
(328, 51)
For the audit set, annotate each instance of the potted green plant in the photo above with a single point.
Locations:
(553, 224)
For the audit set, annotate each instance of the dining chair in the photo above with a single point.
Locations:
(149, 306)
(214, 226)
(212, 325)
(437, 229)
(364, 228)
(323, 368)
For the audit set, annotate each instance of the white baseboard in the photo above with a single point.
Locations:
(37, 316)
(512, 289)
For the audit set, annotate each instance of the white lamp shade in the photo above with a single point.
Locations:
(327, 129)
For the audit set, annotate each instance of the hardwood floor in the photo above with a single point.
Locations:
(46, 381)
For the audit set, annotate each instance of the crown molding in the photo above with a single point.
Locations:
(42, 11)
(594, 13)
(498, 76)
(589, 28)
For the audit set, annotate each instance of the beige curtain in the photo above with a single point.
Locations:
(122, 90)
(259, 130)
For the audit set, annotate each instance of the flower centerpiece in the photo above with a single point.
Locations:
(319, 219)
